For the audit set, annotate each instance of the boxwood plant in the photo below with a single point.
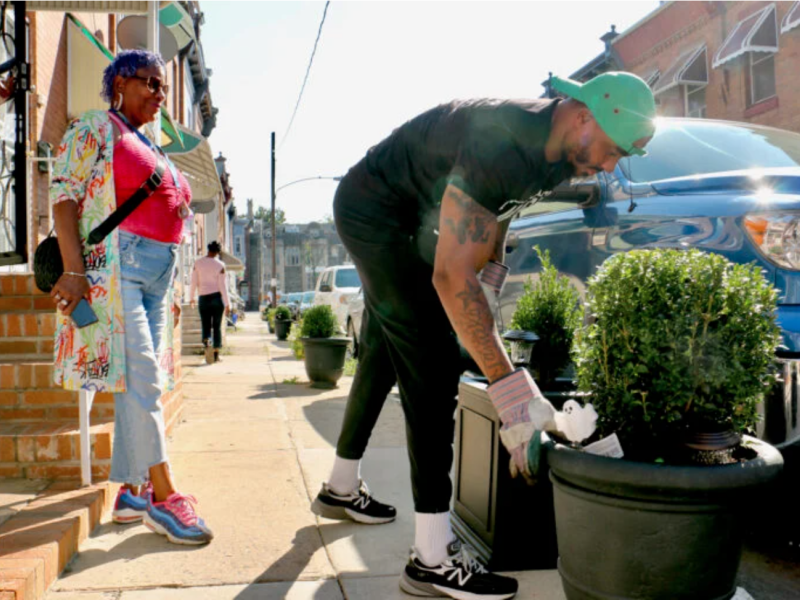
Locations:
(679, 340)
(549, 307)
(319, 322)
(282, 313)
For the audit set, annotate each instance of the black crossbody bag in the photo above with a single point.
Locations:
(47, 263)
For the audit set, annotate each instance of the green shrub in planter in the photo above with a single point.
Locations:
(282, 313)
(550, 308)
(681, 340)
(319, 322)
(294, 340)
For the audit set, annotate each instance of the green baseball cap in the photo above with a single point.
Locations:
(622, 104)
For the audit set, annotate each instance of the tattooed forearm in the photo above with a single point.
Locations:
(475, 327)
(473, 223)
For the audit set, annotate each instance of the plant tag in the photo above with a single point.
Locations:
(608, 446)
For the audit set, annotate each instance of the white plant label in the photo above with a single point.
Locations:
(608, 446)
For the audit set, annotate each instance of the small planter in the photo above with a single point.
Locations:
(488, 505)
(631, 530)
(282, 328)
(324, 358)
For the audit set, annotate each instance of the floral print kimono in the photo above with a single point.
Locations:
(93, 358)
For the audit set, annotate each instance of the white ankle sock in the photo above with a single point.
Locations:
(344, 476)
(433, 534)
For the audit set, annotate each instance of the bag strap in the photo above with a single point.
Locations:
(146, 190)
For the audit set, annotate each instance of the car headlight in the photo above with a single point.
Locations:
(777, 236)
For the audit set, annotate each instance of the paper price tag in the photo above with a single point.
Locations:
(608, 446)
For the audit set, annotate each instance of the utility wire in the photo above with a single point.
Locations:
(308, 70)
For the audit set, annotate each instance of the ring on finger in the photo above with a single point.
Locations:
(63, 302)
(58, 296)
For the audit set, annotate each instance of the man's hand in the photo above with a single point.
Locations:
(176, 310)
(523, 410)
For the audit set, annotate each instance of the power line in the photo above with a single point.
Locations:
(308, 70)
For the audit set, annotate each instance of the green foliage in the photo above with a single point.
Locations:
(282, 313)
(294, 341)
(265, 215)
(350, 366)
(550, 308)
(680, 339)
(319, 322)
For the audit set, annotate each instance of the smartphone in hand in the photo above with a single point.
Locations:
(83, 314)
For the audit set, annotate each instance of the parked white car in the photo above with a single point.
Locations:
(335, 286)
(355, 313)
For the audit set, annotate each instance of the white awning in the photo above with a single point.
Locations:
(756, 33)
(792, 18)
(651, 77)
(196, 161)
(90, 7)
(691, 68)
(232, 263)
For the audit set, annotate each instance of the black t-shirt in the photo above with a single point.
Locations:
(492, 150)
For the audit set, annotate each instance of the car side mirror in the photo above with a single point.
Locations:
(584, 192)
(325, 288)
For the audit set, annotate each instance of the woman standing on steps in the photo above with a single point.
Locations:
(103, 161)
(208, 277)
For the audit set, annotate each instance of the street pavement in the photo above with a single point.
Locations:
(254, 445)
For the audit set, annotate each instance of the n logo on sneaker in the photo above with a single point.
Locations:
(362, 501)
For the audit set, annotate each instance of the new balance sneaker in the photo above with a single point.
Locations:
(176, 518)
(358, 506)
(128, 508)
(460, 576)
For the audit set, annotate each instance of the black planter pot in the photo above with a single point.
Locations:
(324, 359)
(282, 328)
(630, 530)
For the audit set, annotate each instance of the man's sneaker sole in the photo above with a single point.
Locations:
(156, 528)
(430, 590)
(340, 513)
(127, 515)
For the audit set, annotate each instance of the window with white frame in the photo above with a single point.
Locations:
(696, 101)
(189, 107)
(762, 77)
(293, 256)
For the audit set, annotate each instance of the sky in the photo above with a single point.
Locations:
(377, 65)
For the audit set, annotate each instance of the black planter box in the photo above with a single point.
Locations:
(510, 525)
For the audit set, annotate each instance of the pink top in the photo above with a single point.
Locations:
(208, 277)
(158, 217)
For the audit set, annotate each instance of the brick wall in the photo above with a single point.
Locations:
(679, 26)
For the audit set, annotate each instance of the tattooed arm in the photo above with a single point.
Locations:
(467, 240)
(499, 252)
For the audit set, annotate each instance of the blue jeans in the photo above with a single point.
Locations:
(147, 269)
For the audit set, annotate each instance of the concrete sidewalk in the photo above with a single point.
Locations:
(254, 448)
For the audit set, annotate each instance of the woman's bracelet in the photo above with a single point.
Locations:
(74, 274)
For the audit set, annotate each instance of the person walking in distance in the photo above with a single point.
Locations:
(210, 281)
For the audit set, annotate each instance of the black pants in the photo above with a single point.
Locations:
(406, 334)
(211, 310)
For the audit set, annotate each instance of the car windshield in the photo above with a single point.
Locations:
(347, 278)
(308, 297)
(687, 148)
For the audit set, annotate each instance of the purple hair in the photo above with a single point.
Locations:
(126, 63)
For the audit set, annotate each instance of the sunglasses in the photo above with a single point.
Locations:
(154, 84)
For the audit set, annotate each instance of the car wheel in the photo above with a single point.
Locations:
(352, 347)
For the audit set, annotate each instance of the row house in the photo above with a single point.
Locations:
(736, 61)
(57, 52)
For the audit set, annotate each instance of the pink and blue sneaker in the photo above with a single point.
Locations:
(176, 518)
(129, 508)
